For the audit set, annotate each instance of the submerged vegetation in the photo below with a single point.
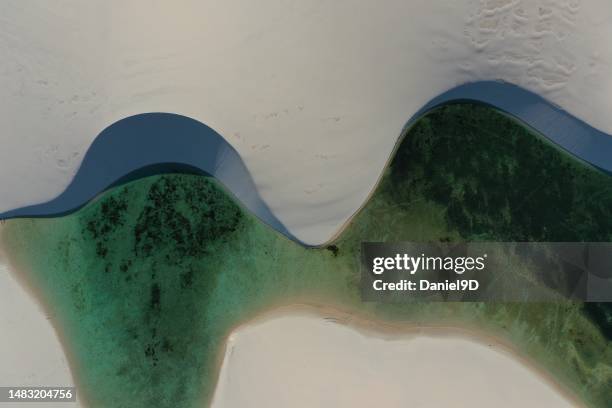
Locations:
(148, 280)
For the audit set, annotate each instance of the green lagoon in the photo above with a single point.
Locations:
(146, 282)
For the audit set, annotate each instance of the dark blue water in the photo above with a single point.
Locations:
(154, 143)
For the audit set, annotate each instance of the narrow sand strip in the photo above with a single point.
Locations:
(299, 357)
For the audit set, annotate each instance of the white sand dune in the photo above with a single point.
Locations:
(295, 360)
(318, 88)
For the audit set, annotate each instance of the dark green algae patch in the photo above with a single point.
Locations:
(146, 281)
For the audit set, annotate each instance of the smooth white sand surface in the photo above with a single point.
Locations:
(313, 94)
(295, 360)
(30, 351)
